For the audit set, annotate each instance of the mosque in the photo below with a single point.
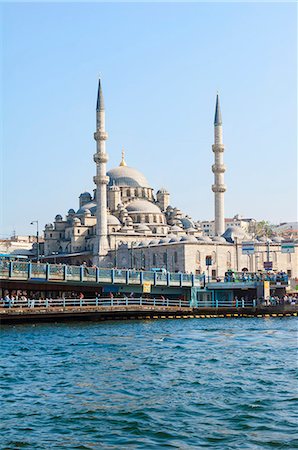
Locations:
(124, 224)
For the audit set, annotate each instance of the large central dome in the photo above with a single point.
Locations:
(124, 176)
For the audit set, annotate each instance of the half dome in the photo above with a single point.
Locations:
(143, 206)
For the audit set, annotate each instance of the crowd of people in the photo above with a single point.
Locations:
(275, 277)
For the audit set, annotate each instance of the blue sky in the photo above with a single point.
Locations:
(161, 65)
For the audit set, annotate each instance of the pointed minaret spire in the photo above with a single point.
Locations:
(101, 245)
(217, 117)
(123, 163)
(100, 103)
(218, 169)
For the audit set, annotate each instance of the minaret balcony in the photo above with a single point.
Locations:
(219, 188)
(100, 135)
(101, 157)
(218, 148)
(218, 168)
(101, 179)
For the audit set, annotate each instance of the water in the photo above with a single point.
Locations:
(180, 384)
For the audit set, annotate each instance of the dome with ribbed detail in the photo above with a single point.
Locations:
(124, 176)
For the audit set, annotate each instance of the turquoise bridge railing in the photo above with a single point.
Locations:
(14, 270)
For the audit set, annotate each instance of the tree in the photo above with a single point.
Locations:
(263, 229)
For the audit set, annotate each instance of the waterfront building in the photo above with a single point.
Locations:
(125, 224)
(247, 225)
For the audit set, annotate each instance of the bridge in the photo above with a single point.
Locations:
(53, 273)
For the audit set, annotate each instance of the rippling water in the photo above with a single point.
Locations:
(184, 384)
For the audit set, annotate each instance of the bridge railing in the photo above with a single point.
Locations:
(225, 303)
(60, 272)
(95, 302)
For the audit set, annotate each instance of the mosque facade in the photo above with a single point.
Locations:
(125, 224)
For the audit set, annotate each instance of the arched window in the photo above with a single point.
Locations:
(136, 192)
(154, 219)
(127, 192)
(160, 219)
(147, 219)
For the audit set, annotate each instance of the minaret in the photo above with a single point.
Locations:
(101, 180)
(218, 169)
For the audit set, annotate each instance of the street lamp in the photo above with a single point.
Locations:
(37, 237)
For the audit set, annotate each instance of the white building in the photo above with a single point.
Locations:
(124, 223)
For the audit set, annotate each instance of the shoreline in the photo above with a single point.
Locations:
(107, 313)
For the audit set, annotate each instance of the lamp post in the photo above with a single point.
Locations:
(37, 238)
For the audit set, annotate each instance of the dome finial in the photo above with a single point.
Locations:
(123, 163)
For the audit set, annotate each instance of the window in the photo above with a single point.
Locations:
(165, 258)
(154, 259)
(79, 231)
(175, 257)
(51, 235)
(213, 274)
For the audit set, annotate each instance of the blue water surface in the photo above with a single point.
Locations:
(180, 384)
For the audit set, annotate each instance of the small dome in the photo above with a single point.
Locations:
(162, 191)
(87, 212)
(203, 239)
(58, 218)
(232, 233)
(76, 221)
(219, 239)
(142, 244)
(176, 228)
(49, 226)
(154, 242)
(91, 206)
(164, 240)
(143, 206)
(188, 238)
(71, 211)
(191, 230)
(142, 227)
(112, 220)
(186, 222)
(85, 194)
